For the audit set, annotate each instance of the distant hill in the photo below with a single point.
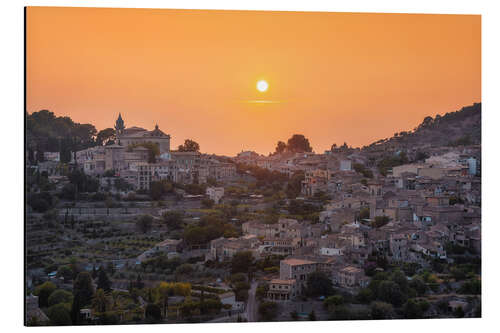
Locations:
(461, 127)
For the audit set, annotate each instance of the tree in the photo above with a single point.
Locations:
(144, 223)
(418, 285)
(122, 185)
(189, 145)
(333, 300)
(156, 190)
(83, 182)
(75, 267)
(182, 289)
(173, 219)
(340, 312)
(46, 132)
(152, 147)
(319, 284)
(184, 269)
(83, 289)
(103, 281)
(280, 147)
(380, 221)
(241, 262)
(100, 301)
(420, 156)
(472, 286)
(427, 121)
(298, 143)
(60, 296)
(207, 203)
(364, 213)
(106, 136)
(414, 309)
(65, 272)
(153, 312)
(268, 310)
(459, 312)
(40, 202)
(163, 293)
(400, 278)
(59, 314)
(365, 296)
(76, 306)
(381, 310)
(43, 292)
(390, 292)
(294, 185)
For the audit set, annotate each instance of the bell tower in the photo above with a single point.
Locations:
(119, 127)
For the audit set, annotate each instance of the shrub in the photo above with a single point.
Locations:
(60, 296)
(59, 314)
(268, 310)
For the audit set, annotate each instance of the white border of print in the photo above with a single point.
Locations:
(12, 86)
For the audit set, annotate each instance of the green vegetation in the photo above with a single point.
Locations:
(242, 262)
(360, 168)
(144, 223)
(173, 219)
(158, 189)
(209, 227)
(268, 310)
(381, 310)
(391, 161)
(189, 145)
(298, 143)
(43, 292)
(152, 147)
(47, 133)
(364, 213)
(59, 314)
(60, 296)
(380, 221)
(319, 284)
(462, 141)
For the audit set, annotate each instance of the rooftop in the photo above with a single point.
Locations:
(279, 281)
(294, 261)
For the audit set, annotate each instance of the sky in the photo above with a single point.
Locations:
(333, 77)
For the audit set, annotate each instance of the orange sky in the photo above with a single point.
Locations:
(333, 77)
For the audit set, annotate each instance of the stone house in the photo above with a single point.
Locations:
(352, 276)
(282, 290)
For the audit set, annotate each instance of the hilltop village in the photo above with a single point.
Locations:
(127, 230)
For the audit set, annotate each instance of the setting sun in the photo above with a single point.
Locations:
(262, 86)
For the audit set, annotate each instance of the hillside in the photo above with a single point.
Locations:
(462, 127)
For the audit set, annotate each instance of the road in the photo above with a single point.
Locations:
(251, 308)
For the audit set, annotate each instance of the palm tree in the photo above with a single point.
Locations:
(115, 295)
(163, 290)
(100, 301)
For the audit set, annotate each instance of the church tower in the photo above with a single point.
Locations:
(120, 125)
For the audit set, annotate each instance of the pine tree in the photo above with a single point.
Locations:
(103, 281)
(75, 310)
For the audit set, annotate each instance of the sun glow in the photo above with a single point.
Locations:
(262, 86)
